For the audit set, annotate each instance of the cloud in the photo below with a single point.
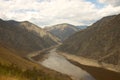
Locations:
(50, 12)
(111, 2)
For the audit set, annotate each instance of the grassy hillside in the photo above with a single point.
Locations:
(13, 67)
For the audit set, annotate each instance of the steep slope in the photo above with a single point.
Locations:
(14, 67)
(8, 56)
(25, 36)
(100, 41)
(22, 38)
(62, 31)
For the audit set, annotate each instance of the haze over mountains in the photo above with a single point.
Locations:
(63, 31)
(100, 41)
(25, 36)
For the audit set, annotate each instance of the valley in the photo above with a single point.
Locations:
(60, 52)
(78, 68)
(60, 64)
(59, 39)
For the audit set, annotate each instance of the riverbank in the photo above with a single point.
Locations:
(90, 62)
(59, 63)
(99, 73)
(93, 67)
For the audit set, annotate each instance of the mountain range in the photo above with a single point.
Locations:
(25, 36)
(64, 30)
(17, 40)
(100, 41)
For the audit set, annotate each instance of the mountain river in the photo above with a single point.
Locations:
(61, 64)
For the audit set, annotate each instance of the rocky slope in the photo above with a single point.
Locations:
(100, 41)
(62, 31)
(25, 36)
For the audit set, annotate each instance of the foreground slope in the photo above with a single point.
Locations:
(25, 36)
(101, 41)
(62, 31)
(14, 67)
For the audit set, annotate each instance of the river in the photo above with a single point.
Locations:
(61, 64)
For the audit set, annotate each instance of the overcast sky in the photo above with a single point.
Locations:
(50, 12)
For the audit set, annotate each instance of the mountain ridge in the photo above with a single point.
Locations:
(25, 36)
(99, 41)
(63, 30)
(17, 40)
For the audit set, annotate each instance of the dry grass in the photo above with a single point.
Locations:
(9, 56)
(4, 77)
(7, 78)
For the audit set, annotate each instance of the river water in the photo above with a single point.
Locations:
(61, 64)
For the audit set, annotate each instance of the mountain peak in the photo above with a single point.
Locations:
(63, 26)
(62, 31)
(25, 22)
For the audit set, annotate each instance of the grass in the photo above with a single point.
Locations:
(16, 73)
(14, 67)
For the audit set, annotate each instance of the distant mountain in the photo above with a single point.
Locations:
(100, 41)
(82, 27)
(62, 31)
(25, 36)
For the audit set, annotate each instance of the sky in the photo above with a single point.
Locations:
(51, 12)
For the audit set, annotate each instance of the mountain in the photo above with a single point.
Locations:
(100, 41)
(62, 31)
(14, 67)
(82, 27)
(25, 36)
(17, 39)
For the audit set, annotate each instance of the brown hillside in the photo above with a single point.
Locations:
(25, 36)
(100, 41)
(15, 67)
(62, 31)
